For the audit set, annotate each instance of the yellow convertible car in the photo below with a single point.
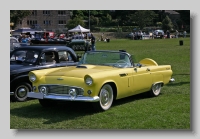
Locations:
(99, 78)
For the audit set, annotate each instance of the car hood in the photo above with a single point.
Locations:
(81, 70)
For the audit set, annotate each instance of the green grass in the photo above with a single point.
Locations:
(170, 110)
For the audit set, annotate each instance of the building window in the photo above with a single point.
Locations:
(31, 22)
(34, 13)
(47, 22)
(46, 12)
(61, 22)
(61, 13)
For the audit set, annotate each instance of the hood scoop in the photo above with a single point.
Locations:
(81, 67)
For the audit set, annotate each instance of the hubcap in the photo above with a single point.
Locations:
(21, 92)
(156, 89)
(105, 97)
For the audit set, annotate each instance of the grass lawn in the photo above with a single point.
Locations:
(171, 110)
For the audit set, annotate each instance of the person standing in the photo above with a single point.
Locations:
(177, 33)
(92, 41)
(168, 34)
(184, 34)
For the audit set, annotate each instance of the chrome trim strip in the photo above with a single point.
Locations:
(63, 97)
(11, 93)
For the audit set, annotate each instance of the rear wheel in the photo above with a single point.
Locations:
(155, 90)
(21, 91)
(106, 98)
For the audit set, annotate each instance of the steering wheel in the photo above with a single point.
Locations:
(117, 64)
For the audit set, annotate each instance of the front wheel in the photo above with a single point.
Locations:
(21, 91)
(106, 98)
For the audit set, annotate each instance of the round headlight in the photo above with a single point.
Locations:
(32, 77)
(88, 80)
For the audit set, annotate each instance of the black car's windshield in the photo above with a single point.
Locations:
(27, 56)
(116, 59)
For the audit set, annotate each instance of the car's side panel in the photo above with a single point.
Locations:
(142, 80)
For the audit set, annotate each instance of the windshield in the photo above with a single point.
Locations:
(108, 58)
(27, 56)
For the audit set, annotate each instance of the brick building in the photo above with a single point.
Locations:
(49, 20)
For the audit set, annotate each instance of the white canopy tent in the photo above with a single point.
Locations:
(79, 28)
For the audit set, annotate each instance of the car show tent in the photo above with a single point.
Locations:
(79, 28)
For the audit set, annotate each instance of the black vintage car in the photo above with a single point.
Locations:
(79, 44)
(25, 59)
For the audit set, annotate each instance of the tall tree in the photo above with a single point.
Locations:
(167, 23)
(74, 22)
(143, 18)
(17, 15)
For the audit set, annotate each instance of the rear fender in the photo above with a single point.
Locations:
(148, 62)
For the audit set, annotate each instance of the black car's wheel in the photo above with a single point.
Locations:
(106, 98)
(47, 102)
(155, 90)
(21, 91)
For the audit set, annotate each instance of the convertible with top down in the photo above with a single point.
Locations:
(100, 77)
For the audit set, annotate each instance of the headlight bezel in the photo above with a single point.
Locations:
(88, 80)
(32, 77)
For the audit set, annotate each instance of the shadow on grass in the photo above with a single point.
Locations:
(64, 110)
(178, 84)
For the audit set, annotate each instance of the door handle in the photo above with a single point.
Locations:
(123, 74)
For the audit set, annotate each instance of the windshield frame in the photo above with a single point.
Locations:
(119, 59)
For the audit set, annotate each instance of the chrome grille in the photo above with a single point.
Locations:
(61, 89)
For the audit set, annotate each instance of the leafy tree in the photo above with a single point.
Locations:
(167, 23)
(143, 18)
(17, 15)
(106, 19)
(94, 20)
(74, 22)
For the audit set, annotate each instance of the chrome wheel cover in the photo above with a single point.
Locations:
(106, 97)
(21, 92)
(156, 89)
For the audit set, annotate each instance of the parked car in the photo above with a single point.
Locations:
(79, 44)
(25, 59)
(158, 33)
(130, 35)
(99, 78)
(13, 41)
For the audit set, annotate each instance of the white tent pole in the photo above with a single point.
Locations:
(89, 19)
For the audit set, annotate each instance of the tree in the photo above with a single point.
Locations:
(167, 23)
(143, 18)
(17, 15)
(94, 20)
(74, 22)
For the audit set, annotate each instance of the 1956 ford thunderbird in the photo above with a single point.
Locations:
(100, 77)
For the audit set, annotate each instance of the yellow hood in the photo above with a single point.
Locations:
(79, 71)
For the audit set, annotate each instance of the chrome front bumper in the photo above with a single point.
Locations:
(172, 80)
(63, 97)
